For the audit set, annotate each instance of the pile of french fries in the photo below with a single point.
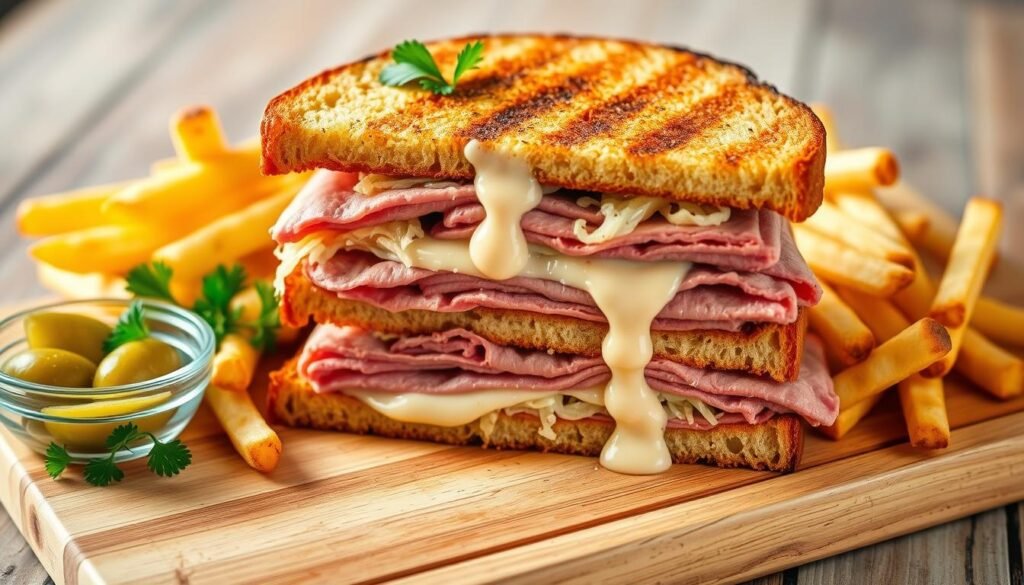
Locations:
(207, 206)
(884, 321)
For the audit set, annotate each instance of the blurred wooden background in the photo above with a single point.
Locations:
(86, 89)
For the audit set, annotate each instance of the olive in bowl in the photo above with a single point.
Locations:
(154, 380)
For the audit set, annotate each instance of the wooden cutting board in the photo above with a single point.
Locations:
(364, 509)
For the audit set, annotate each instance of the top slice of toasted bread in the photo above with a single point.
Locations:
(585, 113)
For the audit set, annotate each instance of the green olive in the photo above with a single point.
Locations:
(136, 361)
(53, 367)
(75, 333)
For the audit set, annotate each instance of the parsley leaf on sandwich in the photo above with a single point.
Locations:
(413, 62)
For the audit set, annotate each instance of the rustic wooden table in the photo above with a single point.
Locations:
(87, 88)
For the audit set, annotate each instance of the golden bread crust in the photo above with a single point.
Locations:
(775, 445)
(585, 113)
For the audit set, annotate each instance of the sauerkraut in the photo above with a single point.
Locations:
(623, 214)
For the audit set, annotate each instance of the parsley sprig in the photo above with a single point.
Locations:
(165, 459)
(413, 62)
(130, 327)
(214, 306)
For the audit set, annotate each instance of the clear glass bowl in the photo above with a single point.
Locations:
(21, 402)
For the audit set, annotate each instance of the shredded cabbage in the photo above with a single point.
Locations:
(373, 184)
(580, 404)
(623, 214)
(388, 240)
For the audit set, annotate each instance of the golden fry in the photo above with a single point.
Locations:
(913, 224)
(924, 408)
(860, 169)
(999, 321)
(848, 266)
(969, 262)
(187, 188)
(110, 249)
(829, 220)
(937, 240)
(252, 437)
(879, 315)
(912, 350)
(849, 418)
(224, 240)
(991, 367)
(235, 363)
(74, 285)
(844, 334)
(865, 208)
(65, 212)
(196, 134)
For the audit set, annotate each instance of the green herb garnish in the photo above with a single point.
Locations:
(57, 460)
(219, 288)
(267, 323)
(130, 327)
(151, 280)
(413, 62)
(165, 459)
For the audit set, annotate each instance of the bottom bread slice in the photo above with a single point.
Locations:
(775, 445)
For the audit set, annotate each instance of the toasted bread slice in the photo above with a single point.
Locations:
(765, 350)
(774, 445)
(585, 113)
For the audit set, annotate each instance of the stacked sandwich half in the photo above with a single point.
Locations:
(584, 249)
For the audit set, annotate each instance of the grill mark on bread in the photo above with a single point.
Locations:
(735, 154)
(517, 114)
(565, 88)
(680, 130)
(605, 118)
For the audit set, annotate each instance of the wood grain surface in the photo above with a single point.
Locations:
(87, 89)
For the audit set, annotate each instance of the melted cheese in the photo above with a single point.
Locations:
(506, 189)
(630, 294)
(449, 410)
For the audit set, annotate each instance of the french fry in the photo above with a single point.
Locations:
(866, 209)
(849, 418)
(999, 322)
(224, 240)
(860, 169)
(912, 350)
(844, 334)
(991, 367)
(74, 285)
(234, 363)
(969, 262)
(845, 265)
(163, 165)
(261, 264)
(913, 224)
(916, 298)
(110, 249)
(879, 315)
(189, 187)
(252, 437)
(196, 134)
(937, 240)
(942, 366)
(829, 220)
(65, 212)
(924, 407)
